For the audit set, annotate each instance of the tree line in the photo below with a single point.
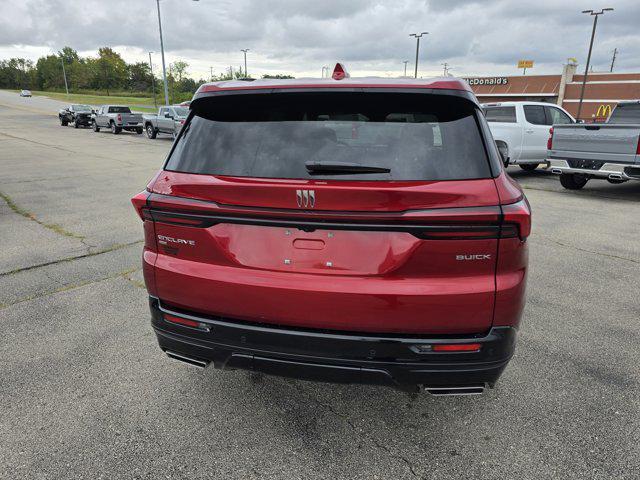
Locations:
(107, 73)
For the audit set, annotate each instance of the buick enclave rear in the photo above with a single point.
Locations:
(342, 230)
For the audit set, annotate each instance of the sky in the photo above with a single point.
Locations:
(298, 37)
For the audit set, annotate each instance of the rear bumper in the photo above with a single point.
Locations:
(329, 356)
(614, 171)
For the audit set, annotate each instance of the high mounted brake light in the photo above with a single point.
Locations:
(339, 72)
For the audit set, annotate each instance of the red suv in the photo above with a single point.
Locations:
(343, 230)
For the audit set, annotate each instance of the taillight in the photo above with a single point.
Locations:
(339, 72)
(638, 146)
(119, 118)
(517, 219)
(140, 203)
(550, 139)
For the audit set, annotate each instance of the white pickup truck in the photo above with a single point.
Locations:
(521, 130)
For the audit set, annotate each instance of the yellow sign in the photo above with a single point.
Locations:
(603, 111)
(525, 63)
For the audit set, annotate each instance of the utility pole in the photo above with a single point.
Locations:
(595, 16)
(164, 68)
(64, 74)
(245, 50)
(445, 70)
(211, 75)
(613, 60)
(153, 82)
(418, 36)
(405, 67)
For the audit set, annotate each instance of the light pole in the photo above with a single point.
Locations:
(64, 74)
(324, 67)
(164, 68)
(595, 16)
(245, 50)
(211, 76)
(153, 82)
(405, 67)
(418, 36)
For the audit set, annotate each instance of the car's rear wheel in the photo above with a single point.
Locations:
(573, 181)
(529, 167)
(96, 128)
(114, 129)
(63, 122)
(139, 131)
(76, 124)
(151, 132)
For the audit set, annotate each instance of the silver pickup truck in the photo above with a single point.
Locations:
(168, 120)
(609, 151)
(117, 118)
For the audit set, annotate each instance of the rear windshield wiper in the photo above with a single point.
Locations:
(338, 168)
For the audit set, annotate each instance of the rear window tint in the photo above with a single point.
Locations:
(415, 136)
(500, 114)
(119, 110)
(626, 114)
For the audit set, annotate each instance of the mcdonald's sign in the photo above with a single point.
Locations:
(603, 111)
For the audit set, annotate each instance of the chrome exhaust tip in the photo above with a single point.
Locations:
(194, 362)
(450, 391)
(557, 171)
(615, 176)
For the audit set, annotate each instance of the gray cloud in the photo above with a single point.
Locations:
(299, 36)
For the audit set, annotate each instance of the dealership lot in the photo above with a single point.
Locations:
(86, 392)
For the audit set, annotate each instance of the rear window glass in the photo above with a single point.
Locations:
(119, 110)
(626, 114)
(500, 114)
(287, 135)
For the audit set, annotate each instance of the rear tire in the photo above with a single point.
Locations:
(139, 131)
(63, 122)
(76, 124)
(114, 129)
(151, 132)
(529, 167)
(96, 128)
(573, 181)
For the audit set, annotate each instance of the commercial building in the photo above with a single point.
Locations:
(602, 92)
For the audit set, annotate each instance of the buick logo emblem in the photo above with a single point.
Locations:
(306, 198)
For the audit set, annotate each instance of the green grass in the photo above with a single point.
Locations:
(139, 103)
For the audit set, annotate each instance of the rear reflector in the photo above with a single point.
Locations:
(185, 322)
(457, 347)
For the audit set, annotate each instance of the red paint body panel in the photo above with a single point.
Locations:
(210, 249)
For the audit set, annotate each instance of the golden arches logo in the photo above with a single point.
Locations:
(603, 111)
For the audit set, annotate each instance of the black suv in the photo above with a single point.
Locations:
(78, 115)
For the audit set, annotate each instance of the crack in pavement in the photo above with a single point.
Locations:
(117, 246)
(65, 288)
(353, 427)
(30, 216)
(593, 252)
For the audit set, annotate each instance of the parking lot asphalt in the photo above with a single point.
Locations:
(86, 393)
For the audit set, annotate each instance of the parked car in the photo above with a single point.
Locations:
(25, 93)
(117, 118)
(78, 115)
(339, 229)
(521, 130)
(168, 120)
(608, 151)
